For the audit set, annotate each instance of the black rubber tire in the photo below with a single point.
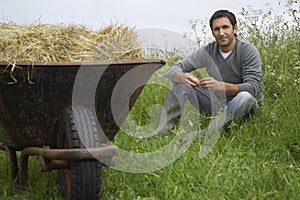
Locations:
(82, 179)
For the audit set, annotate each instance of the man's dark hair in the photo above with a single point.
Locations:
(223, 13)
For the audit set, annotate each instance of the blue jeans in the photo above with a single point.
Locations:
(215, 103)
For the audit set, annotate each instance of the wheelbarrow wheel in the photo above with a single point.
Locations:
(82, 179)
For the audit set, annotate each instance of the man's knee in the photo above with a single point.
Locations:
(242, 105)
(245, 98)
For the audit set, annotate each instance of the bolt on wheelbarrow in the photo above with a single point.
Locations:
(50, 111)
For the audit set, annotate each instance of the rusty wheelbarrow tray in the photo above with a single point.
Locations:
(38, 119)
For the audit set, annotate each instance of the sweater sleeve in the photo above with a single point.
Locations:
(251, 70)
(196, 60)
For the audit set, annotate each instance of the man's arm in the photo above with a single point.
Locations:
(251, 71)
(196, 60)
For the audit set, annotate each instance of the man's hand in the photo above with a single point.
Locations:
(207, 83)
(210, 83)
(188, 79)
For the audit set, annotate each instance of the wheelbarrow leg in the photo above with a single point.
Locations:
(14, 169)
(23, 173)
(19, 177)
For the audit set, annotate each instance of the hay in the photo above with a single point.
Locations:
(72, 43)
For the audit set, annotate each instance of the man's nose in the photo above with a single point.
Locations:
(221, 31)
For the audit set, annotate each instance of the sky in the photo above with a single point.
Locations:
(165, 14)
(160, 24)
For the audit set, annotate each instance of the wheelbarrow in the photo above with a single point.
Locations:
(38, 118)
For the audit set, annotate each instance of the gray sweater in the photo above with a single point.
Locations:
(241, 67)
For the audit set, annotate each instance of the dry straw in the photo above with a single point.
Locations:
(72, 43)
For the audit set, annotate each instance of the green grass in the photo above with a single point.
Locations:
(258, 158)
(254, 159)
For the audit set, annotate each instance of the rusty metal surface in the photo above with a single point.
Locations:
(29, 112)
(48, 165)
(58, 159)
(23, 172)
(53, 159)
(72, 154)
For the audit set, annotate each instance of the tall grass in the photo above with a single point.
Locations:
(258, 158)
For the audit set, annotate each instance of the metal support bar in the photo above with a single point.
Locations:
(23, 173)
(100, 153)
(54, 159)
(48, 165)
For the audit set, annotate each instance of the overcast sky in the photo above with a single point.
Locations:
(166, 14)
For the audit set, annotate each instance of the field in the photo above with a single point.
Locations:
(258, 158)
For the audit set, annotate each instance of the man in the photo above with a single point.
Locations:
(234, 82)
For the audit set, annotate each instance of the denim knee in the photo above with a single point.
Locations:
(241, 105)
(246, 99)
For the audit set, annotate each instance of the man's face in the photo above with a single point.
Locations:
(223, 31)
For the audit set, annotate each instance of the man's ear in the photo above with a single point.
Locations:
(235, 28)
